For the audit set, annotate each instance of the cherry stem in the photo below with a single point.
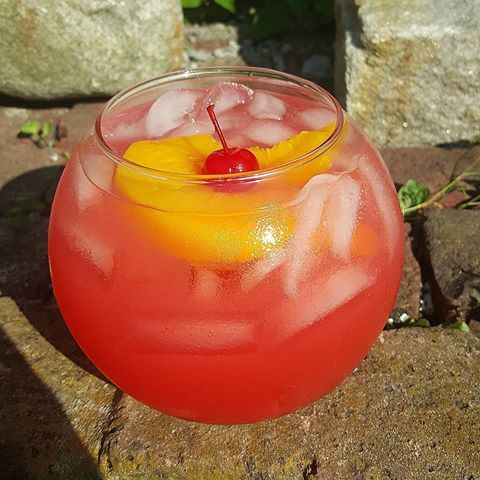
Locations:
(214, 120)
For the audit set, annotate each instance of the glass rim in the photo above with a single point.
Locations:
(250, 176)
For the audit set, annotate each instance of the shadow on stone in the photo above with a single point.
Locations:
(25, 204)
(37, 438)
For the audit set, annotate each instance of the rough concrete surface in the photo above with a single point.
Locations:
(52, 412)
(411, 411)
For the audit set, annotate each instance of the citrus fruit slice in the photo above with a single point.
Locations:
(201, 223)
(297, 146)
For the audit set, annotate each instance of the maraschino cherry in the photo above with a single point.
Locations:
(228, 160)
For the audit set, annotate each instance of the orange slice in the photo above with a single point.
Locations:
(203, 224)
(197, 222)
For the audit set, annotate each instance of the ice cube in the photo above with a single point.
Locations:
(195, 128)
(232, 122)
(345, 160)
(382, 191)
(227, 95)
(92, 247)
(342, 215)
(316, 118)
(268, 132)
(121, 136)
(322, 296)
(261, 269)
(192, 334)
(124, 132)
(172, 110)
(265, 105)
(126, 125)
(91, 178)
(206, 285)
(300, 252)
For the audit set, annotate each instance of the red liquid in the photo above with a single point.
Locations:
(231, 343)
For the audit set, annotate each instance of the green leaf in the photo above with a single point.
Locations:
(272, 18)
(47, 128)
(191, 3)
(32, 127)
(421, 322)
(300, 7)
(226, 4)
(412, 194)
(324, 8)
(462, 326)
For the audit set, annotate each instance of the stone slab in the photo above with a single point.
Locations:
(52, 412)
(452, 253)
(409, 71)
(19, 155)
(72, 48)
(410, 411)
(77, 122)
(432, 166)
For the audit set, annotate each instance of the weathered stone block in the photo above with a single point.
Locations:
(408, 297)
(71, 48)
(432, 166)
(410, 411)
(409, 71)
(451, 244)
(52, 412)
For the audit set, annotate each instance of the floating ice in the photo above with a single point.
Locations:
(191, 335)
(261, 269)
(195, 128)
(93, 248)
(342, 215)
(381, 189)
(316, 118)
(206, 285)
(172, 110)
(88, 188)
(268, 132)
(323, 295)
(300, 252)
(265, 105)
(233, 121)
(124, 134)
(227, 95)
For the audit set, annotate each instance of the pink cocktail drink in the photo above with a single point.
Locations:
(225, 298)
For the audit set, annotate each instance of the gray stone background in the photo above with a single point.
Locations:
(408, 72)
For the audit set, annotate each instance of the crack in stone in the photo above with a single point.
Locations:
(108, 431)
(311, 470)
(433, 306)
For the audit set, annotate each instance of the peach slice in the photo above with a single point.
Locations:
(203, 224)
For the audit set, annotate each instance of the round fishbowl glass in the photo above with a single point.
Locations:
(226, 297)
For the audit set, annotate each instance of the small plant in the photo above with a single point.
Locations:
(269, 17)
(42, 134)
(462, 326)
(228, 5)
(413, 196)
